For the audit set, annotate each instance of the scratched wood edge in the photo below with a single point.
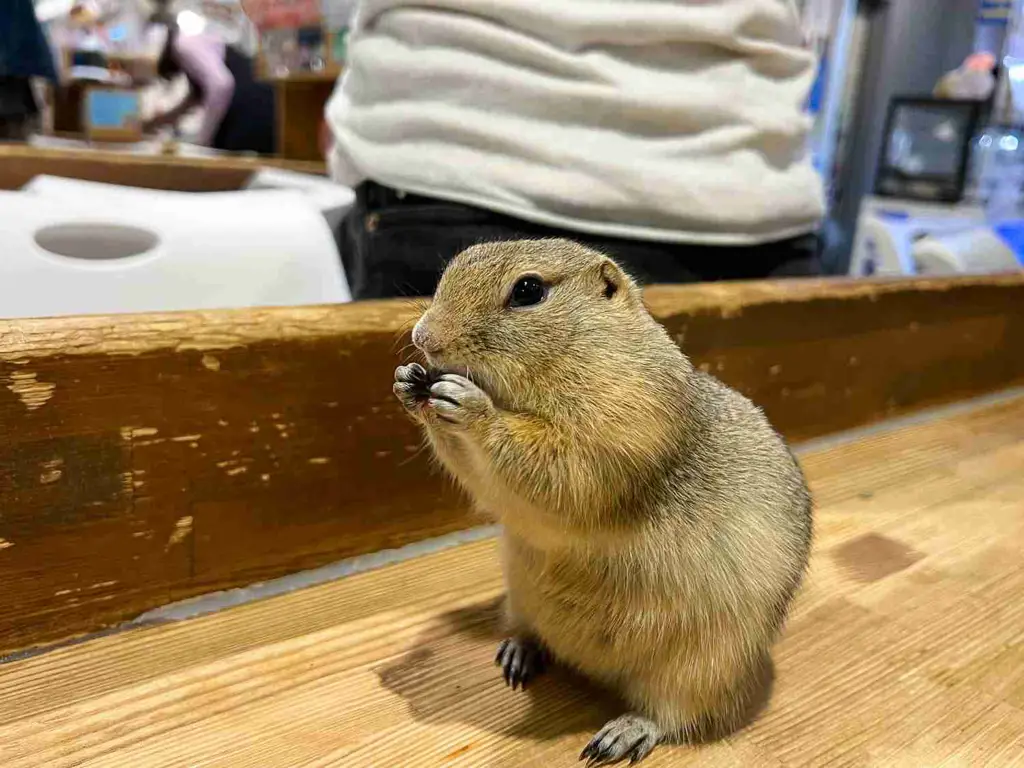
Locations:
(212, 329)
(19, 164)
(152, 458)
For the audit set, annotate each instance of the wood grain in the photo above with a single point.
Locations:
(921, 666)
(300, 113)
(151, 458)
(19, 164)
(845, 353)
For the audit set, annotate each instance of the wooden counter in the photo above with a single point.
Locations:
(151, 458)
(20, 163)
(905, 648)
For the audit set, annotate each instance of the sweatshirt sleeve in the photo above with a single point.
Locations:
(202, 60)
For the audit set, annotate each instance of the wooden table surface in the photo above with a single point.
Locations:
(905, 648)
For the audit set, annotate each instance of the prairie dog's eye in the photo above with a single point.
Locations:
(527, 291)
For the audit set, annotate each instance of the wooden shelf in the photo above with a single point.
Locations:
(20, 163)
(301, 100)
(328, 75)
(904, 648)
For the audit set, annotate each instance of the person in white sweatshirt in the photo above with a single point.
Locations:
(669, 134)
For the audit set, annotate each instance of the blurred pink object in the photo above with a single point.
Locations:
(980, 62)
(971, 80)
(282, 14)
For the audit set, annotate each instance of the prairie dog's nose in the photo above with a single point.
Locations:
(426, 341)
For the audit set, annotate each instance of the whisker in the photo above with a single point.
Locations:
(405, 348)
(416, 455)
(416, 304)
(416, 307)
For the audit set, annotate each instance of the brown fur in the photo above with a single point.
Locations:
(655, 525)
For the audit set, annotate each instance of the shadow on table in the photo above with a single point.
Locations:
(449, 676)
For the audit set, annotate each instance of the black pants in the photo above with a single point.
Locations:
(19, 113)
(249, 125)
(397, 245)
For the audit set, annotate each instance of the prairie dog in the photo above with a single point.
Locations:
(655, 526)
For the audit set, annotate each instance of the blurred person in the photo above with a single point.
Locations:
(24, 54)
(668, 134)
(238, 111)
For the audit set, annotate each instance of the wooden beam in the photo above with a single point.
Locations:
(20, 164)
(151, 458)
(826, 355)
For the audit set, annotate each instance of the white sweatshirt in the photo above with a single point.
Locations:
(670, 120)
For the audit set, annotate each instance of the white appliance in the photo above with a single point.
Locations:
(73, 247)
(902, 237)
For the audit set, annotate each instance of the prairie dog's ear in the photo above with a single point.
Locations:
(614, 282)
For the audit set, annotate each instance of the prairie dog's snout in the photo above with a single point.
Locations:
(425, 337)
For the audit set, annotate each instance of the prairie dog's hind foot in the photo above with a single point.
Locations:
(521, 660)
(631, 735)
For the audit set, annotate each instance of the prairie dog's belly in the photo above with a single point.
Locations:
(584, 619)
(472, 468)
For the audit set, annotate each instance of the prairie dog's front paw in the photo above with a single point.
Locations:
(457, 400)
(412, 385)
